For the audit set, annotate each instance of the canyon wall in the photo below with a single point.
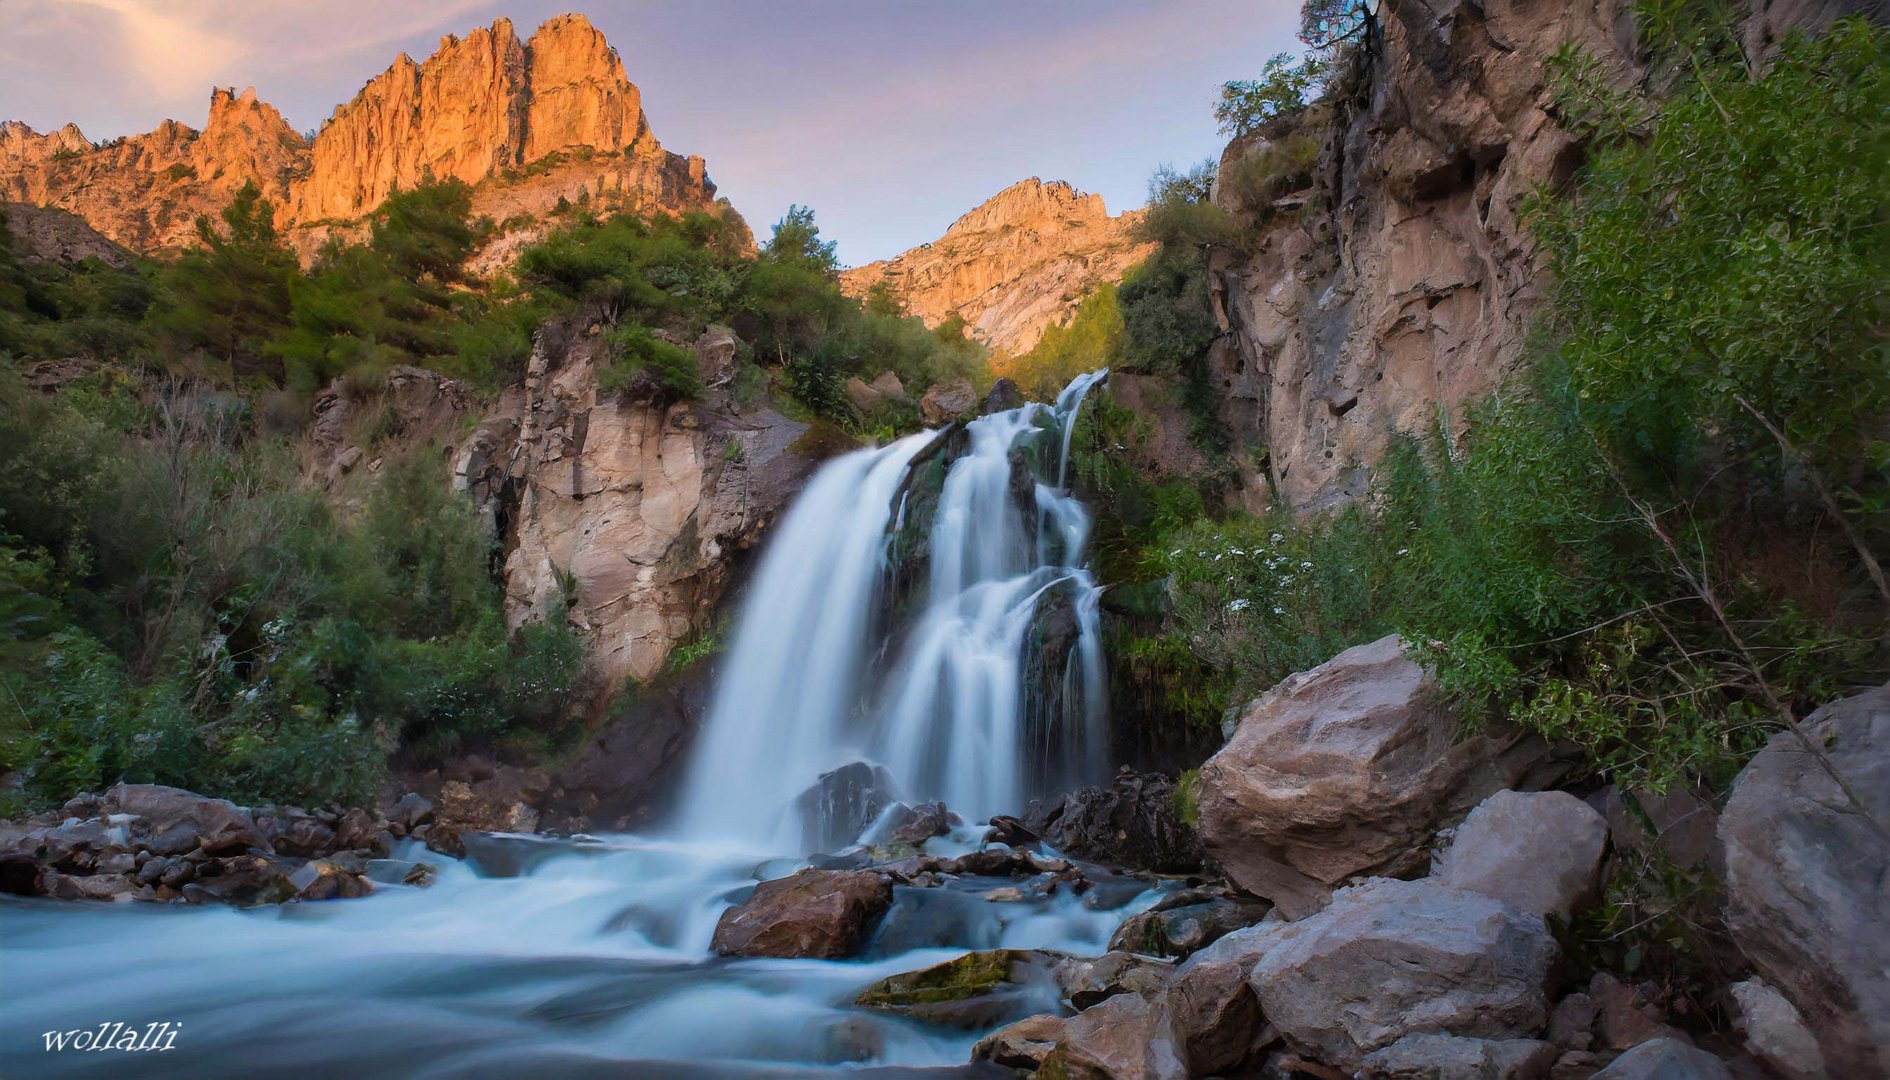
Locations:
(526, 122)
(1017, 264)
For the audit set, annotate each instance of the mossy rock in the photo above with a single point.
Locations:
(979, 989)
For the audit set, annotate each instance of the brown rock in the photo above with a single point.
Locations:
(1346, 770)
(1124, 1038)
(220, 825)
(1214, 1014)
(1540, 851)
(1022, 1045)
(819, 914)
(947, 401)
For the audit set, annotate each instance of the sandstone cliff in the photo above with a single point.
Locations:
(1017, 264)
(527, 122)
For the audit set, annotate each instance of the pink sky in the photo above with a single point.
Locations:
(888, 118)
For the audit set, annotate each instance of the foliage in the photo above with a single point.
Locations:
(1089, 340)
(1248, 105)
(1633, 548)
(230, 294)
(647, 366)
(174, 607)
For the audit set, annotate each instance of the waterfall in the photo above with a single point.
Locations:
(980, 682)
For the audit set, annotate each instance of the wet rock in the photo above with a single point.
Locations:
(923, 822)
(443, 838)
(410, 811)
(357, 829)
(1345, 770)
(322, 880)
(1090, 982)
(1389, 958)
(1429, 1056)
(1134, 823)
(1665, 1058)
(840, 806)
(820, 914)
(933, 918)
(1775, 1033)
(398, 872)
(1022, 1045)
(1004, 396)
(243, 880)
(976, 990)
(220, 825)
(1181, 928)
(1540, 851)
(1124, 1038)
(1806, 873)
(947, 401)
(1011, 832)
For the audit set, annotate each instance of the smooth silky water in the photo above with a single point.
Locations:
(591, 958)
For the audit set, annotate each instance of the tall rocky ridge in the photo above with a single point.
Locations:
(527, 122)
(1017, 264)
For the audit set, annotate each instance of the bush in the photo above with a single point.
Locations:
(646, 366)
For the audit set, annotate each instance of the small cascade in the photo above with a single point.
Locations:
(992, 688)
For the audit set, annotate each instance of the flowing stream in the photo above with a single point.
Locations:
(923, 606)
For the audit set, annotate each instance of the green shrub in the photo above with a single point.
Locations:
(646, 366)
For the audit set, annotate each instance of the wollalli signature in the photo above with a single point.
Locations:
(156, 1036)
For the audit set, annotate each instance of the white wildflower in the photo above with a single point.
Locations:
(1238, 605)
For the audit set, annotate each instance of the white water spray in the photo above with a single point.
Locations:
(996, 691)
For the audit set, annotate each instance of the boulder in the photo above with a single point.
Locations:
(503, 800)
(717, 349)
(1004, 396)
(1389, 958)
(1346, 770)
(1808, 878)
(820, 914)
(947, 401)
(1667, 1058)
(410, 811)
(1124, 1038)
(1213, 1012)
(1133, 823)
(1429, 1056)
(220, 824)
(1540, 851)
(1185, 923)
(319, 880)
(975, 990)
(1022, 1045)
(1775, 1033)
(1087, 983)
(843, 803)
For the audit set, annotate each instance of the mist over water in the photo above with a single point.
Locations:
(577, 958)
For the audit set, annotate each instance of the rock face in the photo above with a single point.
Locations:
(1392, 958)
(1401, 280)
(40, 234)
(1345, 770)
(528, 122)
(621, 515)
(1808, 879)
(818, 914)
(1017, 264)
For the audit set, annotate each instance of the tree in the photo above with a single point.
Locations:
(797, 241)
(1247, 104)
(230, 294)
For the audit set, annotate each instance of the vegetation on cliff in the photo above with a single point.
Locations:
(179, 605)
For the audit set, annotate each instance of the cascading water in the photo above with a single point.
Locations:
(959, 550)
(995, 691)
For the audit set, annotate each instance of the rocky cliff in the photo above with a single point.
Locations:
(1018, 263)
(527, 122)
(1398, 287)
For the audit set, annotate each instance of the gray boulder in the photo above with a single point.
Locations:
(1808, 878)
(1391, 958)
(1775, 1033)
(1540, 851)
(1348, 770)
(1429, 1056)
(220, 824)
(1666, 1058)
